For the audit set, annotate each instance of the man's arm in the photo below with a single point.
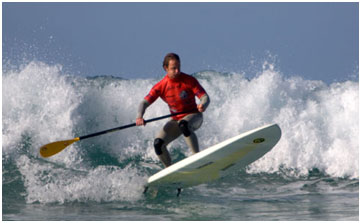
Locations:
(204, 102)
(144, 104)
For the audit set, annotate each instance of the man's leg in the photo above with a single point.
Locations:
(188, 125)
(166, 135)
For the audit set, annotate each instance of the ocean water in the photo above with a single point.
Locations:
(311, 174)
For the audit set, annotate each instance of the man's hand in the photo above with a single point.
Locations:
(139, 121)
(200, 108)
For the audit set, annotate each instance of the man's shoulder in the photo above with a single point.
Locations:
(160, 86)
(161, 82)
(188, 77)
(184, 75)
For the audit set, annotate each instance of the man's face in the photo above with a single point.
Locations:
(173, 69)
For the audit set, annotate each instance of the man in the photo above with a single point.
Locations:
(178, 90)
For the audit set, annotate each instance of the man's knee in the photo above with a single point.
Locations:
(158, 143)
(183, 125)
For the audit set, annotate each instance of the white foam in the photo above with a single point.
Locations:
(46, 183)
(37, 102)
(319, 125)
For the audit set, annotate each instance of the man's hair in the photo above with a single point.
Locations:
(168, 57)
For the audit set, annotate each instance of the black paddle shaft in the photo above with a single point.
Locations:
(130, 125)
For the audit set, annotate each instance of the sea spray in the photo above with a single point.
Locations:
(319, 122)
(41, 104)
(48, 183)
(37, 107)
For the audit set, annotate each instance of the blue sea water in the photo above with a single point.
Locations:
(311, 174)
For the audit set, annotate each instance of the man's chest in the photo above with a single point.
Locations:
(174, 92)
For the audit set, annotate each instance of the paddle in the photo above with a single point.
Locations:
(56, 147)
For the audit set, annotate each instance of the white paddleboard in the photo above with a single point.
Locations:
(219, 160)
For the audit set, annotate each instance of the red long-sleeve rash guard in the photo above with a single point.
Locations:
(179, 93)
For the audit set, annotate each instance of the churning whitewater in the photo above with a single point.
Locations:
(42, 104)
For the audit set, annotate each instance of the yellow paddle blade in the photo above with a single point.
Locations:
(55, 147)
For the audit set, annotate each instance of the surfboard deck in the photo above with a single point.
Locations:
(219, 160)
